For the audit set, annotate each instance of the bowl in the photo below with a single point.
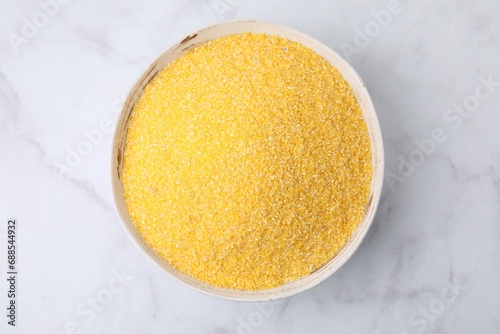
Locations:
(361, 93)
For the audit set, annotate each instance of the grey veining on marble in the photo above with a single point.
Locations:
(431, 261)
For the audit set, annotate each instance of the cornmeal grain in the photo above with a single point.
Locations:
(247, 162)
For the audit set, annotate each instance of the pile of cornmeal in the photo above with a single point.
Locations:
(248, 162)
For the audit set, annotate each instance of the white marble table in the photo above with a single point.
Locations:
(431, 262)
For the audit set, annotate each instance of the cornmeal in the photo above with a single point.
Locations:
(248, 162)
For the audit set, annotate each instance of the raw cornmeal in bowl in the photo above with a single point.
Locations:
(248, 162)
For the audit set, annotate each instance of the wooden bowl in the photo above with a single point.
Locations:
(370, 116)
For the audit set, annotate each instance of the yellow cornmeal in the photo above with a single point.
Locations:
(247, 162)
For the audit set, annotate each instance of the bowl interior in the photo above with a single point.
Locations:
(366, 105)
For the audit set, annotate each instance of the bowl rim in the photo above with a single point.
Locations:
(369, 114)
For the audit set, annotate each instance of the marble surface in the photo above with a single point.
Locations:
(431, 261)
